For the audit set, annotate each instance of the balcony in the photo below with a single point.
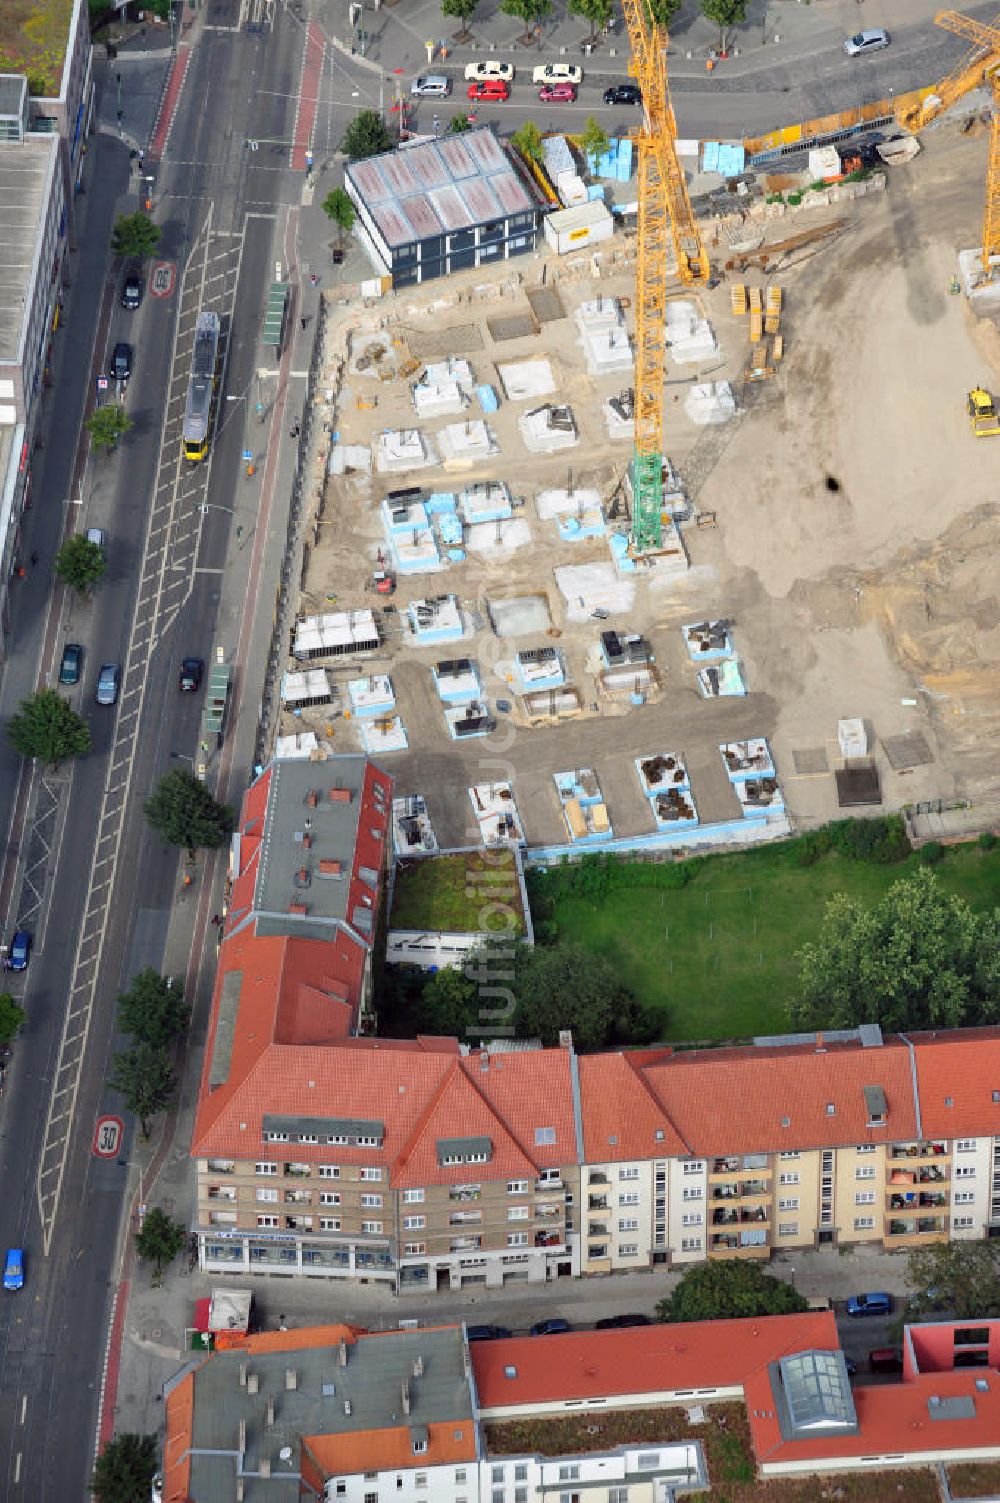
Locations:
(466, 1244)
(298, 1171)
(299, 1223)
(221, 1166)
(297, 1197)
(548, 1239)
(597, 1177)
(915, 1226)
(222, 1192)
(597, 1229)
(597, 1252)
(735, 1244)
(597, 1202)
(910, 1200)
(465, 1218)
(721, 1217)
(549, 1187)
(547, 1211)
(928, 1150)
(743, 1190)
(738, 1165)
(465, 1192)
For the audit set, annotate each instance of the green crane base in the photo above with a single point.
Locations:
(647, 501)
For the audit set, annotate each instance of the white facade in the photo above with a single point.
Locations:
(971, 1189)
(688, 1210)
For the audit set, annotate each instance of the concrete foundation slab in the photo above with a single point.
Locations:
(524, 379)
(519, 615)
(587, 588)
(465, 443)
(400, 449)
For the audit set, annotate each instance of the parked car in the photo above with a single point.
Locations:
(557, 93)
(431, 86)
(623, 93)
(107, 683)
(131, 290)
(72, 663)
(489, 89)
(554, 1327)
(20, 949)
(872, 40)
(851, 1366)
(869, 1304)
(121, 362)
(886, 1359)
(487, 1333)
(490, 68)
(190, 675)
(558, 73)
(13, 1268)
(619, 1322)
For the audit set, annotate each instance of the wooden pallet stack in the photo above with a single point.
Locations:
(764, 308)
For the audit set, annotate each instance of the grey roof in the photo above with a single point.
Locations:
(875, 1101)
(323, 1127)
(372, 1382)
(331, 826)
(13, 88)
(463, 1148)
(225, 1028)
(813, 1395)
(956, 1406)
(24, 173)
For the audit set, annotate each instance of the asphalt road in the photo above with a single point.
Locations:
(53, 1334)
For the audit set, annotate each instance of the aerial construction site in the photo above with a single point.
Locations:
(689, 537)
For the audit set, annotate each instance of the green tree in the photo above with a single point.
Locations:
(182, 810)
(153, 1009)
(339, 209)
(531, 12)
(125, 1469)
(962, 1277)
(596, 141)
(106, 425)
(565, 986)
(366, 136)
(462, 10)
(663, 11)
(80, 563)
(729, 1291)
(47, 728)
(918, 958)
(597, 12)
(724, 13)
(457, 124)
(145, 1078)
(135, 235)
(528, 141)
(447, 1005)
(159, 1239)
(11, 1017)
(160, 8)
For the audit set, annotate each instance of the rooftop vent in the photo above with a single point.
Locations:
(270, 1409)
(343, 1352)
(265, 1466)
(328, 868)
(291, 1379)
(340, 795)
(312, 798)
(348, 1407)
(253, 1382)
(418, 1367)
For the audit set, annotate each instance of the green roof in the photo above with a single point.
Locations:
(448, 894)
(33, 38)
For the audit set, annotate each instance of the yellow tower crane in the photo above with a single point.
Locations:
(981, 65)
(666, 219)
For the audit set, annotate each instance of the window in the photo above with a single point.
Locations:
(864, 1197)
(521, 1471)
(497, 1495)
(789, 1177)
(371, 1226)
(419, 1449)
(517, 1187)
(459, 1475)
(694, 1166)
(788, 1228)
(865, 1171)
(420, 1480)
(414, 1223)
(691, 1192)
(628, 1250)
(629, 1198)
(691, 1218)
(865, 1148)
(266, 1193)
(964, 1197)
(412, 1197)
(328, 1171)
(329, 1223)
(372, 1202)
(265, 1168)
(371, 1497)
(517, 1239)
(791, 1203)
(520, 1495)
(375, 1174)
(965, 1145)
(550, 1177)
(965, 1171)
(628, 1224)
(617, 1495)
(414, 1249)
(267, 1221)
(690, 1244)
(570, 1473)
(648, 1461)
(341, 1487)
(275, 1137)
(628, 1171)
(962, 1223)
(518, 1213)
(789, 1153)
(864, 1223)
(307, 1137)
(221, 1166)
(544, 1137)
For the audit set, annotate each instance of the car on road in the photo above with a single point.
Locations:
(190, 675)
(872, 40)
(886, 1359)
(558, 73)
(13, 1268)
(487, 1333)
(131, 290)
(431, 86)
(623, 93)
(554, 1327)
(71, 664)
(107, 683)
(557, 93)
(490, 68)
(20, 949)
(620, 1322)
(869, 1304)
(121, 362)
(489, 89)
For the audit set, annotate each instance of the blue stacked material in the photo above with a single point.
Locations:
(615, 163)
(488, 399)
(451, 530)
(440, 501)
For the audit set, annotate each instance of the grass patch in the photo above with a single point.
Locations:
(716, 958)
(33, 38)
(975, 1479)
(462, 894)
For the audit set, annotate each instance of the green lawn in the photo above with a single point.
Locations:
(467, 893)
(717, 958)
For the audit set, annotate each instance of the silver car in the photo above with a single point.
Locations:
(866, 41)
(431, 86)
(107, 683)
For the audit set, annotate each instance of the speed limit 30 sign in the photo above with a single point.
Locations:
(108, 1137)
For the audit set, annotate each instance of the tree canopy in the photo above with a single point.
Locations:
(11, 1017)
(729, 1291)
(461, 10)
(80, 563)
(366, 136)
(48, 728)
(339, 209)
(531, 12)
(596, 141)
(528, 141)
(135, 235)
(917, 958)
(145, 1078)
(184, 813)
(724, 13)
(663, 11)
(106, 425)
(125, 1468)
(153, 1009)
(597, 12)
(159, 1239)
(961, 1277)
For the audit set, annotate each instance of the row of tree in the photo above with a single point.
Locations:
(722, 13)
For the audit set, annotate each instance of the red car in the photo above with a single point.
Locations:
(489, 88)
(557, 93)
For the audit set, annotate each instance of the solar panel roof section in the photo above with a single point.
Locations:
(481, 199)
(427, 166)
(485, 149)
(457, 158)
(370, 183)
(396, 228)
(420, 213)
(451, 208)
(510, 192)
(397, 174)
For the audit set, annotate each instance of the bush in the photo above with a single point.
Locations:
(931, 853)
(987, 840)
(882, 840)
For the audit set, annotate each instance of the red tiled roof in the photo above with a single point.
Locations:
(382, 1450)
(641, 1360)
(737, 1100)
(458, 1110)
(531, 1090)
(622, 1119)
(959, 1079)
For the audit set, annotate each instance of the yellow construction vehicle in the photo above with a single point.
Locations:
(983, 416)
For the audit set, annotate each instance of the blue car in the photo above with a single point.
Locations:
(869, 1304)
(20, 949)
(554, 1327)
(13, 1268)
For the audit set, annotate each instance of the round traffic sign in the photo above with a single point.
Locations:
(162, 278)
(108, 1137)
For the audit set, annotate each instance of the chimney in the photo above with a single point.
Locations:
(299, 908)
(291, 1379)
(820, 1046)
(243, 1437)
(312, 798)
(418, 1367)
(347, 1407)
(270, 1409)
(307, 841)
(406, 1396)
(265, 1466)
(243, 1375)
(253, 1382)
(343, 1352)
(340, 795)
(329, 868)
(566, 1039)
(302, 875)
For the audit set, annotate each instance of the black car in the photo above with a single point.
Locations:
(132, 290)
(190, 676)
(121, 361)
(554, 1327)
(487, 1333)
(72, 662)
(619, 1322)
(623, 93)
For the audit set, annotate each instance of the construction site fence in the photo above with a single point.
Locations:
(826, 130)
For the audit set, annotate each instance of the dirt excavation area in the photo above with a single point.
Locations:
(830, 547)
